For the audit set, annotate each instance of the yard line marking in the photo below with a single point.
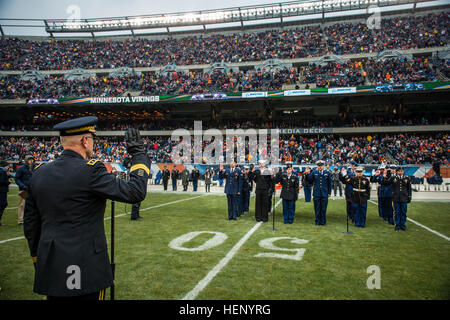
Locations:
(120, 215)
(421, 225)
(431, 230)
(12, 239)
(157, 206)
(191, 295)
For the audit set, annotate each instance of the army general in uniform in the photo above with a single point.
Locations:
(64, 213)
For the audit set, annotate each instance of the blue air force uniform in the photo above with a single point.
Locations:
(233, 186)
(322, 183)
(376, 179)
(289, 194)
(385, 197)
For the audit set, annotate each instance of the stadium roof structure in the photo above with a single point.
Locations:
(274, 13)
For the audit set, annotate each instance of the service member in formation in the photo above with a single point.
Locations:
(375, 178)
(174, 175)
(265, 185)
(195, 176)
(401, 196)
(348, 190)
(185, 178)
(289, 192)
(306, 185)
(246, 189)
(321, 180)
(233, 187)
(165, 177)
(64, 212)
(360, 195)
(386, 193)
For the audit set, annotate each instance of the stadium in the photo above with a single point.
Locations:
(345, 82)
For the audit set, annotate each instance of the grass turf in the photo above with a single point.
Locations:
(413, 264)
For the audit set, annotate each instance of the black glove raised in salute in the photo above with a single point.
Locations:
(135, 144)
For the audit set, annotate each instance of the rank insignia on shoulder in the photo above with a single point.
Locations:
(93, 162)
(38, 166)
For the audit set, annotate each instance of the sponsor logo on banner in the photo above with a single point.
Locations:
(254, 94)
(291, 93)
(341, 90)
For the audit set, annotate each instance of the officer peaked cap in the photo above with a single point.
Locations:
(77, 126)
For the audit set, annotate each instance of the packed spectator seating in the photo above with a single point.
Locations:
(333, 74)
(405, 148)
(147, 84)
(407, 32)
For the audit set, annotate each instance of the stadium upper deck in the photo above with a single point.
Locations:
(416, 31)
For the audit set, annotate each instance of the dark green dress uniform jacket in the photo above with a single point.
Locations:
(63, 221)
(289, 186)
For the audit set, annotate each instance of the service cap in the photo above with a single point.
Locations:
(77, 126)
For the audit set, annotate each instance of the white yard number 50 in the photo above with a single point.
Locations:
(268, 244)
(219, 238)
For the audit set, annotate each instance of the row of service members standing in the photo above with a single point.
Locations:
(318, 185)
(66, 201)
(394, 193)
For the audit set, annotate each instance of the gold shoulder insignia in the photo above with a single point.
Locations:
(38, 166)
(92, 162)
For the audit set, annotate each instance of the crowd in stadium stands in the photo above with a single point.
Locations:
(399, 70)
(335, 74)
(12, 87)
(343, 120)
(405, 32)
(405, 148)
(373, 72)
(332, 74)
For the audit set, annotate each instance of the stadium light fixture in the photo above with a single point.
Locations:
(227, 15)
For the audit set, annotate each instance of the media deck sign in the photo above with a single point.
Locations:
(305, 130)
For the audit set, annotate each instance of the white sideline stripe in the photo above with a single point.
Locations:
(120, 215)
(12, 239)
(191, 295)
(421, 225)
(157, 206)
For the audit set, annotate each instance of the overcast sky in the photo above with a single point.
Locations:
(63, 9)
(42, 9)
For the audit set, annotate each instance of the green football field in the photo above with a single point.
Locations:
(185, 248)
